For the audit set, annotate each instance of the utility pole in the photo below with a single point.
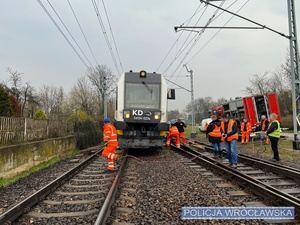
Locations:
(294, 56)
(104, 97)
(194, 134)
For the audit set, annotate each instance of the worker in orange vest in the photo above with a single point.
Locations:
(264, 126)
(245, 129)
(173, 132)
(229, 133)
(111, 143)
(214, 135)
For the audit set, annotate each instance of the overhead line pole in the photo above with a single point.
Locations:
(194, 134)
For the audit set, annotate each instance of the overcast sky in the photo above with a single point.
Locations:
(144, 33)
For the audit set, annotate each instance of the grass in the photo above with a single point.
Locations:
(4, 182)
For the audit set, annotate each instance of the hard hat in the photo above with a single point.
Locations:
(106, 120)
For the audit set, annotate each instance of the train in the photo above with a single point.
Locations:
(141, 110)
(250, 107)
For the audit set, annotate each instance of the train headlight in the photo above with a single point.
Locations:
(126, 114)
(143, 74)
(157, 115)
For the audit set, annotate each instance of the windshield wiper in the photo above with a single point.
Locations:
(147, 86)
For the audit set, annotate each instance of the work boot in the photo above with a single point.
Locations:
(215, 154)
(220, 154)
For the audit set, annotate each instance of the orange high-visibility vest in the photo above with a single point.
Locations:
(229, 129)
(263, 125)
(248, 127)
(110, 134)
(173, 131)
(216, 132)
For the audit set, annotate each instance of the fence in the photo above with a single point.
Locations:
(19, 129)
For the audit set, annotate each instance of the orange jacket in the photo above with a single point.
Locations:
(216, 132)
(248, 127)
(173, 131)
(229, 129)
(110, 135)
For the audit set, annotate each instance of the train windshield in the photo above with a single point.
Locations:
(142, 95)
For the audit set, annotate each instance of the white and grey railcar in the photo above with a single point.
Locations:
(141, 110)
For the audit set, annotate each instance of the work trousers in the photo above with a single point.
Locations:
(109, 153)
(217, 147)
(245, 135)
(177, 140)
(182, 136)
(231, 151)
(274, 146)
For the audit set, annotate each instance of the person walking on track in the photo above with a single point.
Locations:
(111, 143)
(229, 133)
(274, 134)
(246, 130)
(180, 126)
(214, 135)
(173, 132)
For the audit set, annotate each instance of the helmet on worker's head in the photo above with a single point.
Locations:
(106, 120)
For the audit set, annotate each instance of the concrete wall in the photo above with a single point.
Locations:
(18, 158)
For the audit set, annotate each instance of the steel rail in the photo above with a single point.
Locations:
(263, 190)
(23, 207)
(106, 207)
(287, 171)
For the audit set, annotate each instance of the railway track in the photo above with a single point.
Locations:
(278, 184)
(83, 194)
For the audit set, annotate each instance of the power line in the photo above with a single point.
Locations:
(83, 33)
(182, 48)
(216, 33)
(69, 33)
(105, 35)
(60, 30)
(112, 34)
(197, 38)
(188, 21)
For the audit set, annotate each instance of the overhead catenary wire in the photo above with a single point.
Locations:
(216, 33)
(210, 20)
(187, 21)
(184, 45)
(105, 35)
(60, 30)
(69, 33)
(113, 36)
(83, 33)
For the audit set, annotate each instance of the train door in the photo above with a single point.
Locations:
(261, 106)
(250, 111)
(273, 104)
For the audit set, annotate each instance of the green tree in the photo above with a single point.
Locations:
(40, 115)
(78, 117)
(5, 109)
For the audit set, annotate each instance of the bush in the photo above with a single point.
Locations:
(88, 133)
(287, 122)
(40, 115)
(77, 117)
(6, 108)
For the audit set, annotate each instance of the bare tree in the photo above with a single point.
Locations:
(258, 84)
(202, 107)
(97, 77)
(22, 93)
(82, 97)
(51, 99)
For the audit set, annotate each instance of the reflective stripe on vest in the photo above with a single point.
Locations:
(275, 133)
(216, 132)
(229, 129)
